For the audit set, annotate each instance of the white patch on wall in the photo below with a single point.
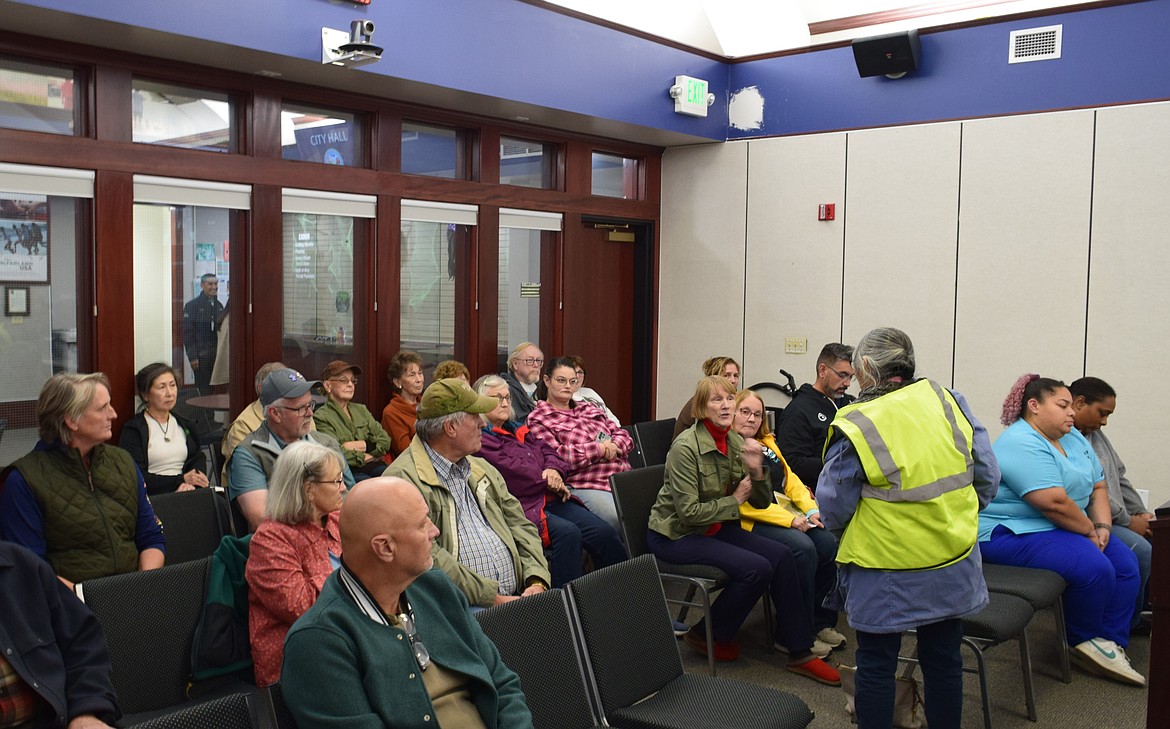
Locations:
(746, 109)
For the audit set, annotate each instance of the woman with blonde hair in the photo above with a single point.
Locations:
(294, 549)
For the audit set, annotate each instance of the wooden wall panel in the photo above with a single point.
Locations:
(701, 265)
(901, 243)
(1026, 194)
(1128, 330)
(794, 261)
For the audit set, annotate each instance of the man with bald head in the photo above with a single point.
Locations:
(390, 642)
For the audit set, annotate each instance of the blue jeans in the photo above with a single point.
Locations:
(1143, 550)
(754, 564)
(601, 503)
(1102, 586)
(942, 672)
(570, 527)
(816, 563)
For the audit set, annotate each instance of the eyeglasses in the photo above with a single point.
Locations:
(339, 481)
(751, 414)
(506, 397)
(344, 380)
(421, 654)
(842, 375)
(562, 381)
(306, 409)
(533, 361)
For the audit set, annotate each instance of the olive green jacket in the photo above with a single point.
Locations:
(360, 425)
(698, 483)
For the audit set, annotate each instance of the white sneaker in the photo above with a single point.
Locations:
(818, 649)
(831, 636)
(1108, 659)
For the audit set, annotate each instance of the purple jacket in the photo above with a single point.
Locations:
(521, 460)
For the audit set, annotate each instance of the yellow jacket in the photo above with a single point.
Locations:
(794, 490)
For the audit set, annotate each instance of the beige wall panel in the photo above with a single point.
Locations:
(1129, 326)
(901, 241)
(701, 262)
(793, 260)
(1024, 211)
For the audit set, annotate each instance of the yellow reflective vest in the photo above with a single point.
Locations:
(918, 510)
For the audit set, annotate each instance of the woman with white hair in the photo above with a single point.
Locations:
(293, 550)
(907, 470)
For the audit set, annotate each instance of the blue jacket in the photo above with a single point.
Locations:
(53, 641)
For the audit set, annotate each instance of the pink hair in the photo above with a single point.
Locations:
(1014, 402)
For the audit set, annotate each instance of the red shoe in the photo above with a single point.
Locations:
(817, 670)
(723, 651)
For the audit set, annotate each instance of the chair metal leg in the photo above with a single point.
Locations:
(1026, 669)
(707, 624)
(769, 621)
(1061, 640)
(981, 669)
(690, 598)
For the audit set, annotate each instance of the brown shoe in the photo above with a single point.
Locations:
(723, 651)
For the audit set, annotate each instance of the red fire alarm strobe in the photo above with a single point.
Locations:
(826, 211)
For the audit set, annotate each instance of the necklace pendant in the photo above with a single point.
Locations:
(167, 438)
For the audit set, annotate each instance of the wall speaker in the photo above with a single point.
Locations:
(891, 55)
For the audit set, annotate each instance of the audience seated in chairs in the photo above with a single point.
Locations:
(535, 476)
(722, 366)
(452, 369)
(288, 417)
(1094, 401)
(56, 669)
(710, 472)
(390, 641)
(1050, 478)
(164, 445)
(294, 550)
(362, 439)
(792, 519)
(74, 500)
(588, 394)
(399, 416)
(486, 545)
(249, 419)
(592, 444)
(522, 375)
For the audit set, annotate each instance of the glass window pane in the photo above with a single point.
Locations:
(178, 116)
(434, 273)
(37, 97)
(430, 150)
(318, 135)
(519, 291)
(615, 176)
(318, 291)
(527, 163)
(39, 238)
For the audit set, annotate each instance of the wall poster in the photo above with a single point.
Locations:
(24, 237)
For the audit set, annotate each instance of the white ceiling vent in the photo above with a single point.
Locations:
(1035, 44)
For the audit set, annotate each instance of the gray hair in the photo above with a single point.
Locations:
(264, 371)
(429, 429)
(883, 353)
(65, 395)
(297, 466)
(488, 382)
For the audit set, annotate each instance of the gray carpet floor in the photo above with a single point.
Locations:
(1089, 701)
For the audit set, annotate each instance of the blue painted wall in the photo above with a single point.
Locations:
(1110, 55)
(500, 48)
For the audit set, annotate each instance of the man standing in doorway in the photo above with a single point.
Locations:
(805, 422)
(201, 317)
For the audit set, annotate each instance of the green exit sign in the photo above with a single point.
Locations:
(692, 96)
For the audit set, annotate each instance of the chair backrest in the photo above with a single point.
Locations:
(654, 439)
(278, 709)
(193, 522)
(629, 644)
(230, 712)
(538, 641)
(634, 494)
(635, 457)
(149, 619)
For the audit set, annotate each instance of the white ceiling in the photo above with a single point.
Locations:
(735, 28)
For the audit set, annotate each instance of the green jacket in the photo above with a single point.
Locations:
(503, 513)
(342, 670)
(698, 483)
(89, 514)
(359, 425)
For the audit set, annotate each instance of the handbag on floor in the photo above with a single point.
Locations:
(908, 706)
